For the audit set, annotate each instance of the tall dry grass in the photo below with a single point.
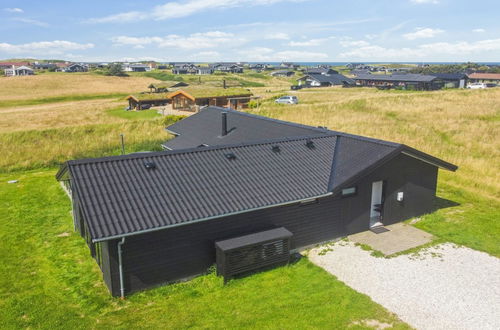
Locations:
(56, 115)
(41, 148)
(67, 84)
(460, 126)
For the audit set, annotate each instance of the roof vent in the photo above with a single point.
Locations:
(276, 149)
(230, 156)
(310, 144)
(150, 165)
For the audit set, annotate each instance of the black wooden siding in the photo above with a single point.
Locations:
(176, 253)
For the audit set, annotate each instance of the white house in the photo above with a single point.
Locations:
(19, 71)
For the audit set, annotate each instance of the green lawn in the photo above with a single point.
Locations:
(134, 115)
(48, 280)
(464, 218)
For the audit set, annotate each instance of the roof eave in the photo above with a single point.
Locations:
(97, 240)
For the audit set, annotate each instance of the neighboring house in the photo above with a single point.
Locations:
(138, 101)
(19, 71)
(72, 67)
(8, 65)
(452, 80)
(257, 67)
(488, 78)
(154, 218)
(203, 70)
(282, 73)
(406, 81)
(229, 68)
(325, 80)
(136, 67)
(44, 66)
(193, 98)
(184, 68)
(289, 65)
(320, 70)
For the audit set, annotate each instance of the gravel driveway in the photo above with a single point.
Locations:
(443, 287)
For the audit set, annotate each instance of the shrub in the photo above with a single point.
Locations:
(170, 119)
(253, 104)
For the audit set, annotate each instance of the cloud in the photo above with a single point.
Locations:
(268, 54)
(353, 43)
(422, 33)
(172, 10)
(431, 50)
(202, 40)
(43, 47)
(211, 54)
(14, 10)
(30, 21)
(293, 55)
(479, 30)
(308, 43)
(425, 1)
(277, 36)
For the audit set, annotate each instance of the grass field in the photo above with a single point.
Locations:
(48, 279)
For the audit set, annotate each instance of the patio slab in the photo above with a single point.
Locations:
(400, 237)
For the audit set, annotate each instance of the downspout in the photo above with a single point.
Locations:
(120, 268)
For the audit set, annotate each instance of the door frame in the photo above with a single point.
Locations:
(377, 220)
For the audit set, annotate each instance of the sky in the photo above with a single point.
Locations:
(252, 30)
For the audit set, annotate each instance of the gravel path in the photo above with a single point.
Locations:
(443, 287)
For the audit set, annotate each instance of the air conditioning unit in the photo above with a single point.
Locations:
(253, 252)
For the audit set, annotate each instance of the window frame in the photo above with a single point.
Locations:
(346, 195)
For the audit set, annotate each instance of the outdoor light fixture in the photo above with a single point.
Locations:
(400, 196)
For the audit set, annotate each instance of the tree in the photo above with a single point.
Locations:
(115, 70)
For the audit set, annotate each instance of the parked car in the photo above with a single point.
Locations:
(490, 85)
(476, 86)
(145, 106)
(287, 100)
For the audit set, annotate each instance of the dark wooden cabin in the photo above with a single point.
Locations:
(154, 218)
(406, 81)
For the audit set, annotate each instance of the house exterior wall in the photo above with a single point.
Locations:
(172, 254)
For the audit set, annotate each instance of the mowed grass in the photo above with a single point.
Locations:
(460, 126)
(48, 281)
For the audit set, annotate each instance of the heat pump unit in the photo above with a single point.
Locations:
(253, 252)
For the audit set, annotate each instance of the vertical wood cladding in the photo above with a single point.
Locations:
(176, 253)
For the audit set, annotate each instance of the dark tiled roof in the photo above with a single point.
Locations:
(205, 128)
(120, 196)
(334, 79)
(449, 76)
(414, 77)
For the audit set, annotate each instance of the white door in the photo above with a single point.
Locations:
(377, 188)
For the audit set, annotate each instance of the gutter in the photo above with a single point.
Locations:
(203, 219)
(120, 268)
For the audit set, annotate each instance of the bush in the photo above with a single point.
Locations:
(253, 104)
(170, 119)
(115, 70)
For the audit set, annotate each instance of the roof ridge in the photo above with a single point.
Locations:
(196, 149)
(255, 116)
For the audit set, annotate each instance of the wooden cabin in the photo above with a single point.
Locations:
(147, 100)
(191, 99)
